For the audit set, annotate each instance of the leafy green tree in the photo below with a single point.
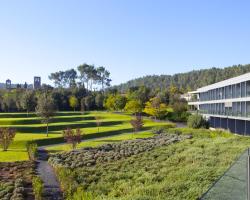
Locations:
(83, 107)
(104, 77)
(9, 101)
(134, 106)
(58, 78)
(109, 102)
(28, 101)
(6, 137)
(45, 109)
(139, 93)
(70, 77)
(89, 102)
(155, 108)
(99, 100)
(73, 102)
(119, 102)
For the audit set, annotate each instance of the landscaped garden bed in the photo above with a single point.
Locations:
(16, 180)
(112, 152)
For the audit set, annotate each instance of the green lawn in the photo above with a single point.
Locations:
(30, 128)
(97, 142)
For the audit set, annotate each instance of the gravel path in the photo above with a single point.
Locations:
(45, 171)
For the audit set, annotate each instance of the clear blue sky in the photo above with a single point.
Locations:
(131, 38)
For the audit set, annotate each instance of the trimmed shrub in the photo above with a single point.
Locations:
(197, 121)
(31, 147)
(37, 187)
(162, 129)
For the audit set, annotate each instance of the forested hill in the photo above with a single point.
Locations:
(187, 81)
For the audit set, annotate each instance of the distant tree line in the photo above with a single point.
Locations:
(186, 81)
(88, 88)
(165, 104)
(89, 76)
(81, 89)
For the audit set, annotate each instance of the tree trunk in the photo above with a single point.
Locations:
(47, 130)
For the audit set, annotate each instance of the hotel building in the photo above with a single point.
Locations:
(225, 104)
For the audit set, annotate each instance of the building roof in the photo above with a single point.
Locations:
(231, 81)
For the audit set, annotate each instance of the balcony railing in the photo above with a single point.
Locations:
(223, 113)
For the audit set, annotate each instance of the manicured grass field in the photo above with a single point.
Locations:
(97, 142)
(30, 128)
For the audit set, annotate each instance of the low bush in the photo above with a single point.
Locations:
(37, 187)
(14, 178)
(112, 152)
(163, 128)
(183, 170)
(31, 147)
(197, 121)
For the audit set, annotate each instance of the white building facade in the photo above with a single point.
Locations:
(225, 104)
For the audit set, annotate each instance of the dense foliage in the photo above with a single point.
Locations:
(186, 81)
(197, 121)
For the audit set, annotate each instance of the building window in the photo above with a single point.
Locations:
(248, 89)
(248, 109)
(243, 109)
(238, 90)
(234, 91)
(243, 89)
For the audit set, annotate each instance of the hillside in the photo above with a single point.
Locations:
(188, 81)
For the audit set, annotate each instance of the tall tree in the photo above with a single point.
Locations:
(92, 76)
(6, 137)
(58, 78)
(28, 101)
(70, 77)
(45, 109)
(84, 71)
(73, 102)
(104, 77)
(99, 99)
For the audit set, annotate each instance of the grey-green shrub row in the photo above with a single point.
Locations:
(112, 152)
(12, 190)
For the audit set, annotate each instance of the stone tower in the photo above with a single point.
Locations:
(37, 82)
(8, 84)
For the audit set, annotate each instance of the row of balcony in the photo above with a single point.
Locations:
(223, 113)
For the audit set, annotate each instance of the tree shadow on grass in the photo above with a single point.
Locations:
(38, 121)
(24, 115)
(108, 141)
(49, 141)
(42, 129)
